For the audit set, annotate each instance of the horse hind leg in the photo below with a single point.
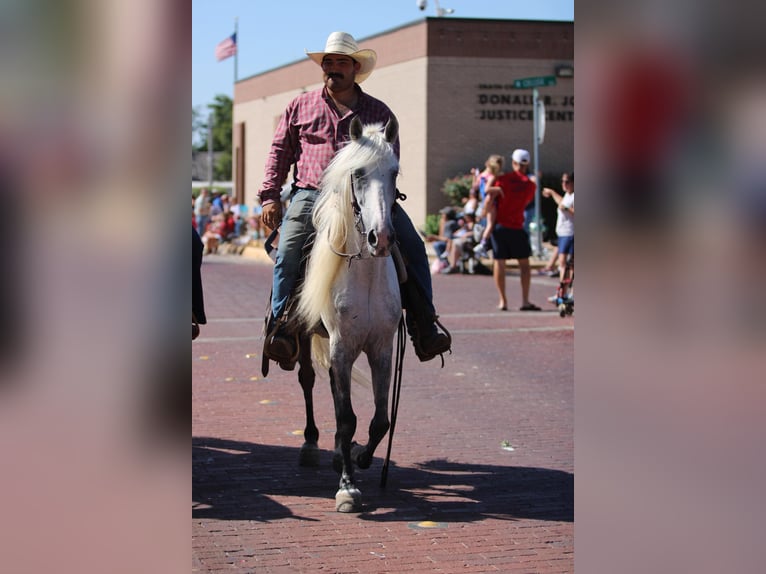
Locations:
(309, 453)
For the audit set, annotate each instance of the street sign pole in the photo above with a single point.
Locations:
(525, 84)
(538, 243)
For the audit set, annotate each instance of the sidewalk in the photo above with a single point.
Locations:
(255, 250)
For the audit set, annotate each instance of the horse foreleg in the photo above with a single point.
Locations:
(348, 498)
(309, 454)
(379, 425)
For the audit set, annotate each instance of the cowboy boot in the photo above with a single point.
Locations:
(421, 324)
(280, 345)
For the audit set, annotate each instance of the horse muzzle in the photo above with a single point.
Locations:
(379, 242)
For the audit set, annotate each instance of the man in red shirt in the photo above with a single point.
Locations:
(514, 190)
(313, 128)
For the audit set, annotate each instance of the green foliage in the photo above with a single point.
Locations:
(221, 115)
(199, 130)
(222, 112)
(223, 166)
(432, 224)
(456, 188)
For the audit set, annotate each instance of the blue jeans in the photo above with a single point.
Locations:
(295, 231)
(202, 221)
(297, 228)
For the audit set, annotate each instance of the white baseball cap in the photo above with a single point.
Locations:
(520, 156)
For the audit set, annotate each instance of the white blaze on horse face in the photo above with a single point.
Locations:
(375, 194)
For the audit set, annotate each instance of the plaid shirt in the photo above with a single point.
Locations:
(309, 134)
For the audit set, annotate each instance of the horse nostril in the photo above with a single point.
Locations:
(372, 238)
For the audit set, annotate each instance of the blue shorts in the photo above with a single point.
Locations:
(566, 244)
(510, 243)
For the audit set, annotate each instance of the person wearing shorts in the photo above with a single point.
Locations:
(509, 240)
(564, 222)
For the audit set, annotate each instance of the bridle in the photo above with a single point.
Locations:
(358, 223)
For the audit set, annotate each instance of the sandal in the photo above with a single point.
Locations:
(529, 307)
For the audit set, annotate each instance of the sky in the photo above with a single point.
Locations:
(277, 32)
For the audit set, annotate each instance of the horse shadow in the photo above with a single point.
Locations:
(234, 480)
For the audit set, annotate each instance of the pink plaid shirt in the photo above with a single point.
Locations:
(308, 135)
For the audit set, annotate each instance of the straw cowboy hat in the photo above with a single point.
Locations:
(344, 43)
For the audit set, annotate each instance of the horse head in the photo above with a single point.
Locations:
(373, 182)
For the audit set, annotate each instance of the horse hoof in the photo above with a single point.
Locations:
(348, 500)
(361, 456)
(309, 455)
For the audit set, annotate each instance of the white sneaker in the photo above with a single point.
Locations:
(480, 250)
(553, 298)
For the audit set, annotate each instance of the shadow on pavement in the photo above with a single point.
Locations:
(234, 480)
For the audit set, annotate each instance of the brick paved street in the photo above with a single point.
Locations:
(457, 499)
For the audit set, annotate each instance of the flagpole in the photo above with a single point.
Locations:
(236, 53)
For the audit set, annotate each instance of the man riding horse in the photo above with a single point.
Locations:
(312, 129)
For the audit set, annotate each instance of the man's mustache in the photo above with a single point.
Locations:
(335, 75)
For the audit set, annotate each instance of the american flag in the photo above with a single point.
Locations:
(226, 48)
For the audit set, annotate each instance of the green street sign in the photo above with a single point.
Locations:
(535, 82)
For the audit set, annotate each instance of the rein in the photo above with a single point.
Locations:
(357, 224)
(396, 390)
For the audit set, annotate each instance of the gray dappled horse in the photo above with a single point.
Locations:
(351, 289)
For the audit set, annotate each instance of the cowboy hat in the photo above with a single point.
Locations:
(344, 43)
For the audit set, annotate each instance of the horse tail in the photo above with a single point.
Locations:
(320, 351)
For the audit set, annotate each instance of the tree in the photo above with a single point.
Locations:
(199, 130)
(221, 114)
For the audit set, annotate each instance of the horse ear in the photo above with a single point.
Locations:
(391, 129)
(355, 130)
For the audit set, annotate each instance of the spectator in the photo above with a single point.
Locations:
(213, 234)
(229, 226)
(241, 219)
(564, 225)
(256, 227)
(551, 268)
(509, 239)
(461, 242)
(202, 210)
(486, 180)
(448, 224)
(216, 207)
(471, 204)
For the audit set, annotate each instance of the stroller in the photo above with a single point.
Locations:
(564, 294)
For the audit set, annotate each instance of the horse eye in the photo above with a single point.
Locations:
(358, 173)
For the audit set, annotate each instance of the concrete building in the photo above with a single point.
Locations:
(450, 83)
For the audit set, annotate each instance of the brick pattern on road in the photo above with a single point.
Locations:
(481, 476)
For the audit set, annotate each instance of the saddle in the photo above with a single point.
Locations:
(271, 326)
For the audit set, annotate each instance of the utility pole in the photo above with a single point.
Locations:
(210, 150)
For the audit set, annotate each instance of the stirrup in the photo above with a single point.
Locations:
(287, 364)
(416, 336)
